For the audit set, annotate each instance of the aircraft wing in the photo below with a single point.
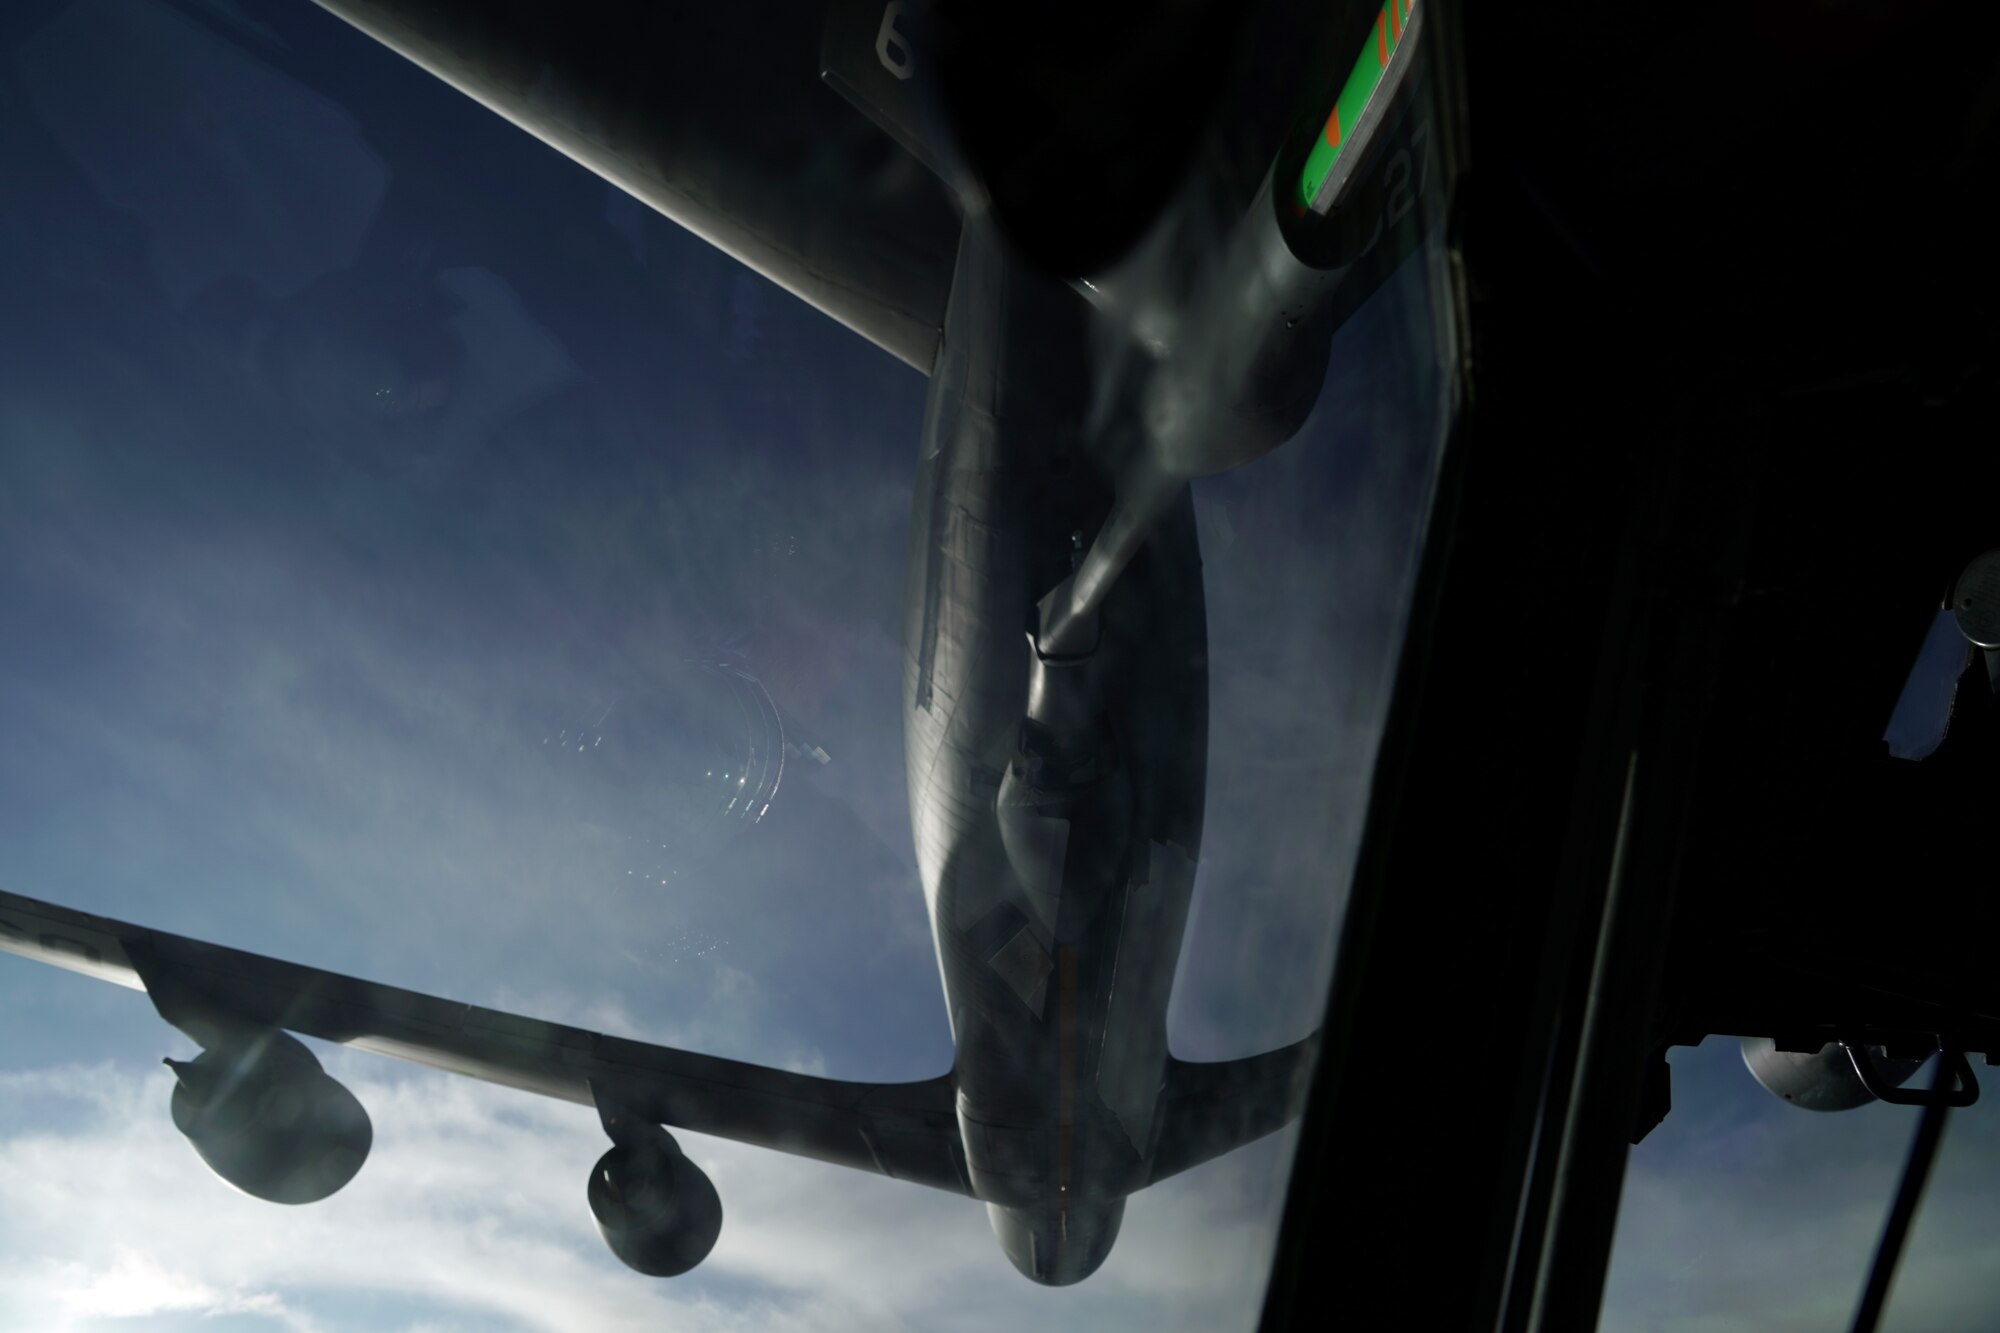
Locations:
(907, 1131)
(1208, 1109)
(715, 115)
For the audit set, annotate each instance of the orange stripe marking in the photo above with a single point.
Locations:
(1066, 1023)
(1382, 41)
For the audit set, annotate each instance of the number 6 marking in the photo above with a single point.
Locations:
(891, 47)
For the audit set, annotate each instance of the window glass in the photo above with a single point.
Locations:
(1741, 1212)
(419, 561)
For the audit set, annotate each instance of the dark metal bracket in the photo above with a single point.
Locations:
(206, 1021)
(1963, 1091)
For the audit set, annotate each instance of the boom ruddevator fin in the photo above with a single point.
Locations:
(1211, 1108)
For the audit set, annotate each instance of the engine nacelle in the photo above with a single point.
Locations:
(268, 1120)
(657, 1210)
(1823, 1080)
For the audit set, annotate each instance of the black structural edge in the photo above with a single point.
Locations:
(1456, 1012)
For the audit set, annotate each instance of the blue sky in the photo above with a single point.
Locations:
(351, 443)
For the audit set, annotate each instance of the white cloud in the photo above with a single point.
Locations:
(137, 1285)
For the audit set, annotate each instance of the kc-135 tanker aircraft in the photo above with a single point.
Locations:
(1054, 666)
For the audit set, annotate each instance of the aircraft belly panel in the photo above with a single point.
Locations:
(1133, 1062)
(1057, 990)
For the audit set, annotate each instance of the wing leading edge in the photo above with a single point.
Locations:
(907, 1131)
(715, 115)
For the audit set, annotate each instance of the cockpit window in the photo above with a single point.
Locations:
(419, 562)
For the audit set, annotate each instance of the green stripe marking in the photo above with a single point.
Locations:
(1391, 22)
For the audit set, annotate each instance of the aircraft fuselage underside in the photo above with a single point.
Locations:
(1057, 870)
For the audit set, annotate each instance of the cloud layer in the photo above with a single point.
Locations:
(471, 1210)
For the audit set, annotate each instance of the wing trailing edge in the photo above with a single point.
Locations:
(907, 1131)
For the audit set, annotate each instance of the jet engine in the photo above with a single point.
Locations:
(268, 1120)
(657, 1210)
(1822, 1080)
